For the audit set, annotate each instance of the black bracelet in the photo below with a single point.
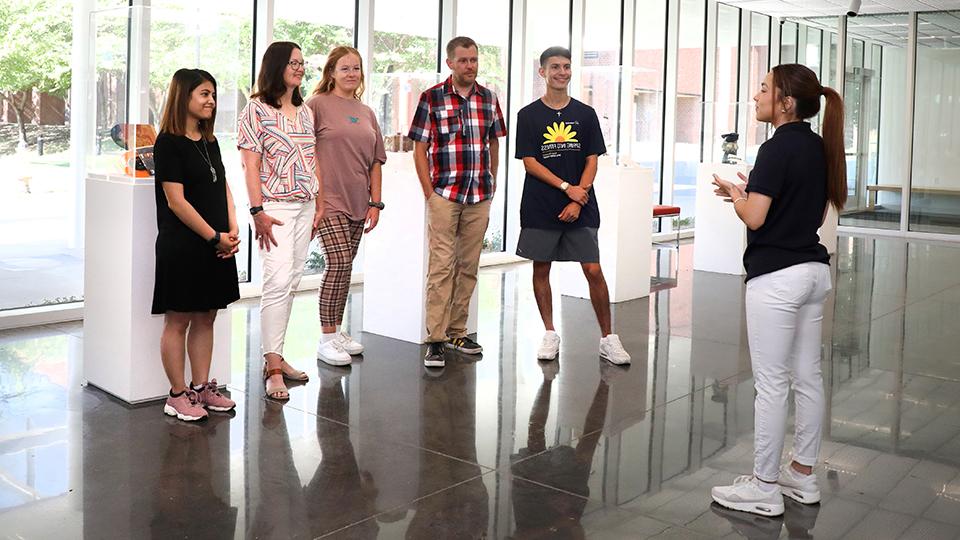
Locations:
(254, 210)
(378, 204)
(215, 241)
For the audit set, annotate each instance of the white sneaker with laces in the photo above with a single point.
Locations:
(332, 353)
(612, 350)
(802, 488)
(549, 346)
(350, 345)
(746, 495)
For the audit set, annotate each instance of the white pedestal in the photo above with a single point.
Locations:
(721, 237)
(121, 339)
(624, 195)
(395, 260)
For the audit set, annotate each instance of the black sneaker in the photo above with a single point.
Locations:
(465, 345)
(434, 356)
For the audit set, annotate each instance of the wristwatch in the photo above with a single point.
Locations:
(564, 186)
(213, 242)
(254, 210)
(377, 204)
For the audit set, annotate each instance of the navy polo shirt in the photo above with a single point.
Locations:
(791, 168)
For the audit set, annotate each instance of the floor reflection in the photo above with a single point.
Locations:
(508, 447)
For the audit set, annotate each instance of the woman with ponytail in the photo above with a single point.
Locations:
(783, 203)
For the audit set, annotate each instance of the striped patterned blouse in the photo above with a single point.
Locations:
(287, 150)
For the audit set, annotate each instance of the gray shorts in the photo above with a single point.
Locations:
(542, 245)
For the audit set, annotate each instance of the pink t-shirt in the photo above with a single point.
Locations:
(348, 143)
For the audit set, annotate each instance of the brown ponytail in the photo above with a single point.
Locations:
(800, 83)
(832, 133)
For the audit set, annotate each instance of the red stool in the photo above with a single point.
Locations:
(661, 211)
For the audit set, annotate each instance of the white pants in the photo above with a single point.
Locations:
(283, 268)
(784, 322)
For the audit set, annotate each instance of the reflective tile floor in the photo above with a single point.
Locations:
(504, 447)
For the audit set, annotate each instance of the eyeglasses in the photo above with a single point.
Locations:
(347, 69)
(295, 64)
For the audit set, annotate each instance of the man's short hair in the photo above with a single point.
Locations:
(460, 41)
(554, 51)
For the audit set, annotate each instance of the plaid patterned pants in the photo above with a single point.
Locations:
(339, 239)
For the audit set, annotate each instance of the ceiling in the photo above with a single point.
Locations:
(883, 21)
(814, 8)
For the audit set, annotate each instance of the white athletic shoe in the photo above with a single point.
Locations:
(332, 353)
(549, 347)
(612, 350)
(746, 495)
(350, 345)
(802, 488)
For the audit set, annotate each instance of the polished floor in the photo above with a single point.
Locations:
(504, 446)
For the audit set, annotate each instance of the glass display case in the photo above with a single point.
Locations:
(732, 133)
(133, 54)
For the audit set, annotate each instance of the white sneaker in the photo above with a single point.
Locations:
(802, 488)
(746, 496)
(350, 345)
(549, 347)
(612, 350)
(332, 353)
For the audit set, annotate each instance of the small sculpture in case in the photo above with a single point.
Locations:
(138, 162)
(730, 148)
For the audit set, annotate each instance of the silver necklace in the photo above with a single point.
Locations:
(206, 156)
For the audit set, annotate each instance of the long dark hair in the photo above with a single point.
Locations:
(800, 83)
(270, 85)
(174, 118)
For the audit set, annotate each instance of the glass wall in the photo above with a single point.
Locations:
(41, 256)
(756, 132)
(811, 53)
(600, 67)
(874, 94)
(547, 25)
(723, 110)
(488, 23)
(935, 187)
(689, 109)
(646, 146)
(788, 42)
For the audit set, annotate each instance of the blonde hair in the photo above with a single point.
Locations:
(327, 83)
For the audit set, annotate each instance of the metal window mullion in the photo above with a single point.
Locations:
(774, 36)
(363, 37)
(710, 78)
(911, 113)
(670, 101)
(518, 70)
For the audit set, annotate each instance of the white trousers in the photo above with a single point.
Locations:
(784, 323)
(283, 268)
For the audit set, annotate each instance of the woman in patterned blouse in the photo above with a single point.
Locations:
(276, 142)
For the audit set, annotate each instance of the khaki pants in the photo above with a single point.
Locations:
(456, 239)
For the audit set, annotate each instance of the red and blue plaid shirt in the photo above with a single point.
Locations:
(459, 129)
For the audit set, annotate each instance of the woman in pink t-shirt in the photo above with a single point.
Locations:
(275, 138)
(350, 153)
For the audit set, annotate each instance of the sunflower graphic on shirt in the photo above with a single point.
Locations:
(560, 133)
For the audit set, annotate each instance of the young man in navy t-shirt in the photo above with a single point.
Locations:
(559, 141)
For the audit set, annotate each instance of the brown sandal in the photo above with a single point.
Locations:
(295, 374)
(279, 393)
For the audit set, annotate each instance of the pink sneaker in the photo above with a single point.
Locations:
(211, 398)
(186, 407)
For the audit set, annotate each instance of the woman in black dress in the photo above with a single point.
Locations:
(197, 239)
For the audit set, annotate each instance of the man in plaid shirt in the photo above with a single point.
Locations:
(457, 153)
